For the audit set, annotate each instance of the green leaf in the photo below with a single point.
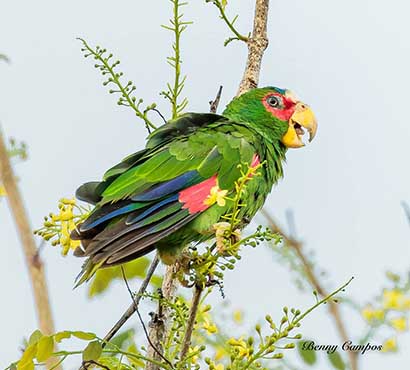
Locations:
(113, 363)
(104, 277)
(156, 281)
(93, 351)
(121, 338)
(35, 337)
(308, 356)
(62, 335)
(336, 360)
(134, 361)
(83, 335)
(45, 348)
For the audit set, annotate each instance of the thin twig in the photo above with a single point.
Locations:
(257, 44)
(215, 103)
(92, 362)
(134, 306)
(34, 263)
(160, 114)
(230, 24)
(196, 297)
(141, 320)
(333, 307)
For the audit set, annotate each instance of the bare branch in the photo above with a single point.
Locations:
(33, 261)
(257, 44)
(196, 297)
(333, 307)
(215, 103)
(134, 306)
(159, 324)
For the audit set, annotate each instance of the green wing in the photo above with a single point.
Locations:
(137, 203)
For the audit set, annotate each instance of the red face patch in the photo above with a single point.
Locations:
(279, 106)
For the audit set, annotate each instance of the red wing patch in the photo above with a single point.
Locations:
(194, 198)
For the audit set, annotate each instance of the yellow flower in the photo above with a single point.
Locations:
(406, 304)
(194, 358)
(219, 367)
(210, 327)
(399, 323)
(241, 346)
(220, 353)
(2, 191)
(237, 316)
(393, 299)
(216, 196)
(390, 345)
(370, 314)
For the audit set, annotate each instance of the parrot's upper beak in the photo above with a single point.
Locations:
(303, 117)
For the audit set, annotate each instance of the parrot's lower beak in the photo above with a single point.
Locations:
(303, 117)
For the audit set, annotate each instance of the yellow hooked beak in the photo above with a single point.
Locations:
(303, 117)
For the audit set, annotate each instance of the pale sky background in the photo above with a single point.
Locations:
(347, 59)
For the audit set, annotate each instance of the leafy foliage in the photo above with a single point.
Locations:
(133, 269)
(242, 353)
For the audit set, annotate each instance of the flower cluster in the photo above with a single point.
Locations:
(391, 311)
(57, 227)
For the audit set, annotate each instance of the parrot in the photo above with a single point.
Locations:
(173, 191)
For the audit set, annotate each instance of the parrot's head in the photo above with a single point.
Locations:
(276, 113)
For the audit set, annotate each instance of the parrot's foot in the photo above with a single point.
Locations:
(224, 237)
(212, 282)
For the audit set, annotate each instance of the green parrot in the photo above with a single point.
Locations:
(172, 192)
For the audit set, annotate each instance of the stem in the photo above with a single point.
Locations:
(177, 60)
(191, 321)
(257, 44)
(323, 300)
(115, 351)
(177, 27)
(134, 306)
(116, 80)
(333, 307)
(34, 263)
(229, 23)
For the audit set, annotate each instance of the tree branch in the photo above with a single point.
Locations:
(33, 261)
(159, 323)
(196, 297)
(257, 44)
(333, 307)
(213, 104)
(134, 306)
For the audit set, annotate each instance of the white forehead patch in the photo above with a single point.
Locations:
(290, 95)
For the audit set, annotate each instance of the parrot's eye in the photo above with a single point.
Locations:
(273, 101)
